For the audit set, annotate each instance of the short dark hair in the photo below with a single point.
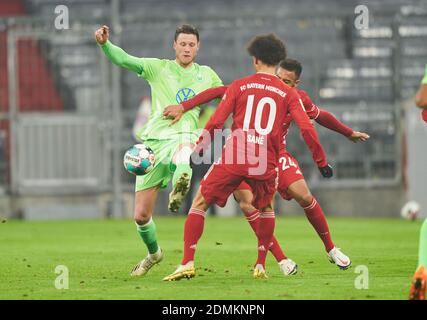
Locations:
(268, 48)
(291, 65)
(187, 29)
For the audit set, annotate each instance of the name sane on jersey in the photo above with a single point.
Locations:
(255, 139)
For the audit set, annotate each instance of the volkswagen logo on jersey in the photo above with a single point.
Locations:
(184, 94)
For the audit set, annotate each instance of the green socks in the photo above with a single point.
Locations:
(422, 255)
(148, 235)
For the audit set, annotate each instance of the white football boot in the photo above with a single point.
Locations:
(340, 259)
(288, 267)
(145, 265)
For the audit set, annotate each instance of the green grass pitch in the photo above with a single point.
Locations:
(100, 254)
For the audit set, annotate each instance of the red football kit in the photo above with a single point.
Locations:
(288, 168)
(262, 106)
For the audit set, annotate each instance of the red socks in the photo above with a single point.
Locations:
(265, 234)
(193, 230)
(274, 247)
(317, 219)
(262, 224)
(276, 250)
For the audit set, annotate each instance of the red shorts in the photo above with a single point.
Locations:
(219, 183)
(244, 186)
(288, 172)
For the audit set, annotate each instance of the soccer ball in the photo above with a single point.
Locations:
(410, 210)
(139, 159)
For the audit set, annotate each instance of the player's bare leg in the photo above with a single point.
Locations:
(300, 192)
(181, 177)
(244, 199)
(193, 230)
(144, 206)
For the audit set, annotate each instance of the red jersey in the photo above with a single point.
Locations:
(259, 104)
(321, 116)
(310, 108)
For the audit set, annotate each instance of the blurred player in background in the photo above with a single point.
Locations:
(419, 281)
(292, 184)
(171, 81)
(258, 130)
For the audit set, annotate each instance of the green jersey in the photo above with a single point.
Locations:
(170, 84)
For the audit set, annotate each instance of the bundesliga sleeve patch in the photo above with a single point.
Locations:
(424, 115)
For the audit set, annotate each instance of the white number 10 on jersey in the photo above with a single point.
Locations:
(258, 115)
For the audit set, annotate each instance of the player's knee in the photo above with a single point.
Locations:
(246, 207)
(305, 199)
(199, 204)
(142, 215)
(183, 154)
(268, 208)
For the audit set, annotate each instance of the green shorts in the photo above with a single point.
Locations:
(163, 170)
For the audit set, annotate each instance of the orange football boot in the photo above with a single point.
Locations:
(418, 285)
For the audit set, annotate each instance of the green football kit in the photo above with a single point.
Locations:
(170, 84)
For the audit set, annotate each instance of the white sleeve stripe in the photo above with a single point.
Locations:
(317, 115)
(302, 105)
(311, 206)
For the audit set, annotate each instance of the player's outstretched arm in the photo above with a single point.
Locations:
(175, 111)
(204, 97)
(117, 55)
(359, 136)
(328, 120)
(102, 35)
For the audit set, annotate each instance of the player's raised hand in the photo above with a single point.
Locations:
(358, 136)
(102, 34)
(327, 171)
(173, 112)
